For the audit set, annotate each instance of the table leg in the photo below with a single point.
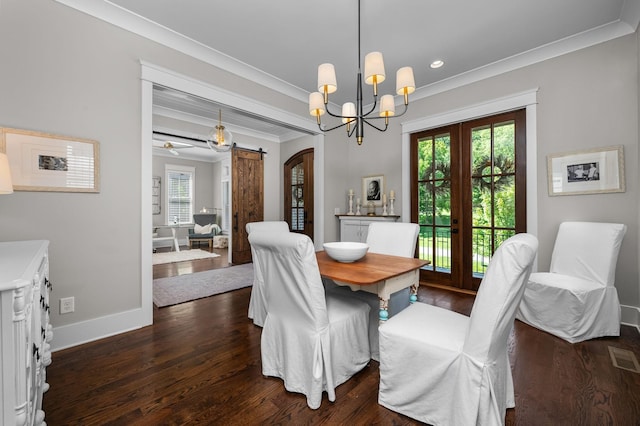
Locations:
(414, 293)
(175, 239)
(383, 315)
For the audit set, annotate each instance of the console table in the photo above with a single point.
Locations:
(355, 228)
(25, 331)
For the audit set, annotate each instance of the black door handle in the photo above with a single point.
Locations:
(235, 227)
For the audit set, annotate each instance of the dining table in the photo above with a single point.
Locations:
(381, 274)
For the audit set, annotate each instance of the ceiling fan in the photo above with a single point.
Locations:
(172, 147)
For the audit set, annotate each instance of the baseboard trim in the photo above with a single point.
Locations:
(75, 334)
(446, 287)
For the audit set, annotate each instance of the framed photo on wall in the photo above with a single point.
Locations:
(593, 171)
(46, 162)
(372, 190)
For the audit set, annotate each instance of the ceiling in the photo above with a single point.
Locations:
(280, 43)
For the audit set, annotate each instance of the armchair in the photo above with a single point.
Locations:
(577, 299)
(204, 230)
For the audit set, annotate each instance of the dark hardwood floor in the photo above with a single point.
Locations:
(199, 363)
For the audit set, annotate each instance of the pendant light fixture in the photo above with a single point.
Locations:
(353, 115)
(220, 138)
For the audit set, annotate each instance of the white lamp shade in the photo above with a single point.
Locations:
(6, 185)
(327, 78)
(316, 104)
(348, 110)
(405, 80)
(374, 67)
(387, 106)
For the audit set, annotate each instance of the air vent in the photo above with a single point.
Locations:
(624, 359)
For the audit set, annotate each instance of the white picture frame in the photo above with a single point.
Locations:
(46, 162)
(593, 171)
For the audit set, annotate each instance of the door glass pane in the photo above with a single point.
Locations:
(504, 204)
(481, 243)
(434, 201)
(493, 190)
(505, 147)
(297, 199)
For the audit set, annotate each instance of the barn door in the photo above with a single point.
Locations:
(247, 204)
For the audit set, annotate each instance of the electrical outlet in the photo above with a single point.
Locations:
(67, 305)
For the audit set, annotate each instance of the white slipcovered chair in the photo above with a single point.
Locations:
(395, 239)
(311, 340)
(444, 368)
(576, 300)
(257, 304)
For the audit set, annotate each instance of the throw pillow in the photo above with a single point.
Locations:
(206, 229)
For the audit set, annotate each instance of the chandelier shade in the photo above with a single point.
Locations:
(353, 116)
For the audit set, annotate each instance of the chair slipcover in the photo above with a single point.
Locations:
(577, 299)
(257, 304)
(444, 368)
(395, 239)
(311, 341)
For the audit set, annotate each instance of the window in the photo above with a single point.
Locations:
(180, 190)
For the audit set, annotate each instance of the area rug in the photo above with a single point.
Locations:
(184, 288)
(180, 256)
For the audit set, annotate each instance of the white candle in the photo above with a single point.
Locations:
(358, 201)
(384, 198)
(392, 194)
(351, 192)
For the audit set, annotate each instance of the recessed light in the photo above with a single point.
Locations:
(437, 64)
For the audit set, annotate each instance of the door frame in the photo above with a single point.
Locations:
(153, 74)
(526, 100)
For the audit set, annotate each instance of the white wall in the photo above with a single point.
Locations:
(66, 73)
(586, 99)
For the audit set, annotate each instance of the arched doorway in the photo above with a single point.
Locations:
(298, 192)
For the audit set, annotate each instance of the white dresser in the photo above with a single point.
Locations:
(356, 228)
(25, 332)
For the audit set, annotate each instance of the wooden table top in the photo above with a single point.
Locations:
(372, 268)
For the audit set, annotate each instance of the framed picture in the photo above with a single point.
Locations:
(155, 195)
(45, 162)
(372, 190)
(593, 171)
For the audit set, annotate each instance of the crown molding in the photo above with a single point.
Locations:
(115, 15)
(552, 50)
(127, 20)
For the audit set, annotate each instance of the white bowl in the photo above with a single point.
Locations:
(346, 251)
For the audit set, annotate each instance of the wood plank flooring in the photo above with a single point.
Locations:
(199, 363)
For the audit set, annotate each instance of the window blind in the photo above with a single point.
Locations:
(179, 197)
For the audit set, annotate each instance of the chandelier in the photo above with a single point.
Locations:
(220, 138)
(353, 115)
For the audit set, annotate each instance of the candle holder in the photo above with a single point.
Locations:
(358, 207)
(391, 200)
(384, 210)
(350, 212)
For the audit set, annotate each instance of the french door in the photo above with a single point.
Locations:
(298, 192)
(468, 195)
